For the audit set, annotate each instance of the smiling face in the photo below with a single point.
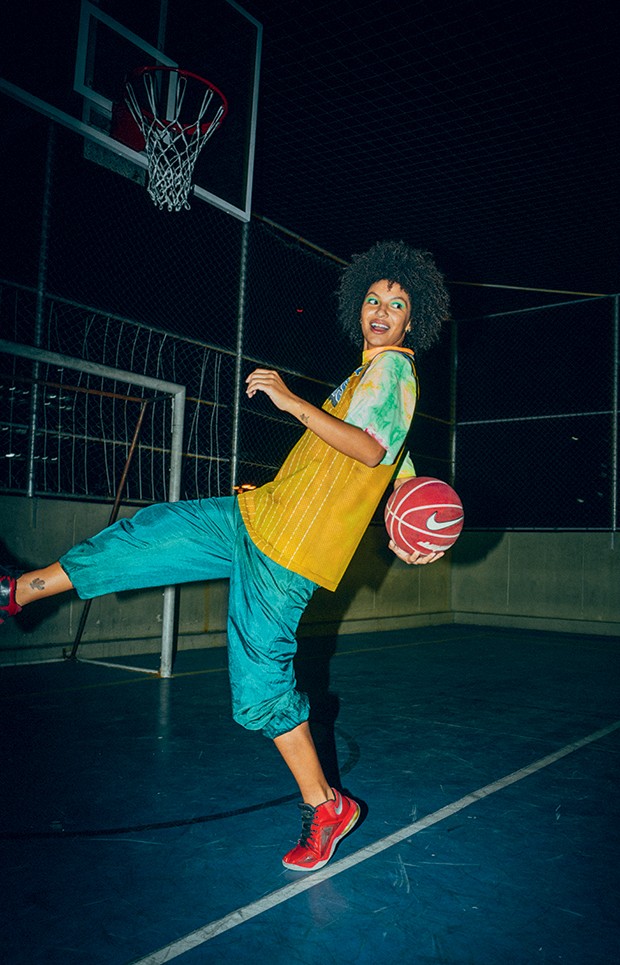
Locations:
(386, 315)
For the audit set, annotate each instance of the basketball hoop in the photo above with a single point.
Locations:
(176, 113)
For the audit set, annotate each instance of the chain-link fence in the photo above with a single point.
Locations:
(537, 416)
(64, 434)
(526, 424)
(97, 272)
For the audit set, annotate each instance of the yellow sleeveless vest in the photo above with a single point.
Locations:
(311, 518)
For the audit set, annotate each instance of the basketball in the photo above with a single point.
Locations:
(424, 515)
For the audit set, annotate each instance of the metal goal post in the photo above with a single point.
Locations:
(161, 388)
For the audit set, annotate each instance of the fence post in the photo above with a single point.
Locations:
(236, 413)
(454, 355)
(41, 288)
(614, 425)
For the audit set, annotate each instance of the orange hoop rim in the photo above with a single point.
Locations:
(156, 68)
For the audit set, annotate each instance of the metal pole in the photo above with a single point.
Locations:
(170, 593)
(163, 23)
(614, 425)
(236, 413)
(454, 353)
(39, 317)
(93, 368)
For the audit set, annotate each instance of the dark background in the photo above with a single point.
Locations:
(486, 132)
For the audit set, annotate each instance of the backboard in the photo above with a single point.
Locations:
(69, 61)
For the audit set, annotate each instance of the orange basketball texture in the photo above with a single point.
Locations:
(424, 515)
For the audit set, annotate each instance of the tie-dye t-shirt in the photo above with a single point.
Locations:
(384, 403)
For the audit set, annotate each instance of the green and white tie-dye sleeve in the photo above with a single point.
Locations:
(384, 402)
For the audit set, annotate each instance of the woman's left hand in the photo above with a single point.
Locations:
(415, 558)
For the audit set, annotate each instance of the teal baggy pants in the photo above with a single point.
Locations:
(206, 539)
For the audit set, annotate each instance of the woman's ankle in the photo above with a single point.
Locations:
(37, 584)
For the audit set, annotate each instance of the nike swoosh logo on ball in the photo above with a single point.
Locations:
(434, 525)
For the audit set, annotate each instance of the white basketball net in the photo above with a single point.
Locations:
(172, 146)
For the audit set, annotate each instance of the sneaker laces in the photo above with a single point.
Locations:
(307, 822)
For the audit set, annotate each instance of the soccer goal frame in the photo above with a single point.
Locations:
(177, 393)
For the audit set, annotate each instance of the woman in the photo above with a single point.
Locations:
(276, 544)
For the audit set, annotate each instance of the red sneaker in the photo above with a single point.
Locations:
(8, 606)
(322, 828)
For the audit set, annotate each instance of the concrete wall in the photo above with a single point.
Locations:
(557, 581)
(568, 582)
(378, 591)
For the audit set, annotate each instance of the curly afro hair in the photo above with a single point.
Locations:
(411, 268)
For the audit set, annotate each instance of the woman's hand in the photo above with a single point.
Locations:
(272, 384)
(416, 558)
(409, 558)
(338, 434)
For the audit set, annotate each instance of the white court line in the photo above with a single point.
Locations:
(240, 915)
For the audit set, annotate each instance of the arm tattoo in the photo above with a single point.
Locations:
(37, 584)
(304, 418)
